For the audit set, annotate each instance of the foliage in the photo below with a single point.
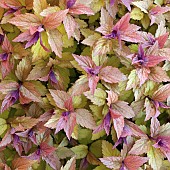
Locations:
(84, 85)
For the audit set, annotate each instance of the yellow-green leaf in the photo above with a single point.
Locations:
(98, 98)
(3, 126)
(136, 14)
(80, 151)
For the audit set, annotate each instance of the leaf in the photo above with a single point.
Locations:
(143, 5)
(6, 45)
(96, 148)
(136, 14)
(9, 100)
(3, 126)
(52, 21)
(124, 109)
(28, 93)
(84, 61)
(134, 162)
(6, 139)
(98, 98)
(79, 9)
(55, 41)
(162, 93)
(8, 86)
(154, 127)
(157, 74)
(23, 69)
(25, 21)
(150, 109)
(24, 122)
(139, 147)
(111, 75)
(143, 74)
(136, 131)
(64, 152)
(38, 51)
(60, 97)
(106, 22)
(102, 46)
(39, 6)
(93, 80)
(155, 158)
(145, 21)
(133, 80)
(107, 149)
(70, 25)
(22, 163)
(52, 122)
(118, 121)
(91, 39)
(70, 165)
(80, 151)
(80, 86)
(165, 130)
(85, 118)
(84, 136)
(112, 162)
(112, 97)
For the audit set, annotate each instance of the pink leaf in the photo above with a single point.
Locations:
(127, 4)
(157, 74)
(155, 127)
(124, 109)
(111, 162)
(25, 21)
(134, 162)
(53, 20)
(162, 93)
(118, 121)
(93, 80)
(70, 124)
(139, 147)
(60, 97)
(6, 140)
(55, 41)
(154, 60)
(143, 74)
(162, 39)
(85, 118)
(79, 9)
(84, 61)
(123, 23)
(111, 75)
(70, 25)
(6, 45)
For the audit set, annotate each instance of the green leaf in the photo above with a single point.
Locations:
(133, 80)
(67, 42)
(101, 167)
(84, 136)
(98, 135)
(80, 151)
(96, 148)
(155, 157)
(98, 98)
(64, 152)
(37, 49)
(79, 101)
(136, 14)
(97, 111)
(3, 126)
(145, 21)
(107, 149)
